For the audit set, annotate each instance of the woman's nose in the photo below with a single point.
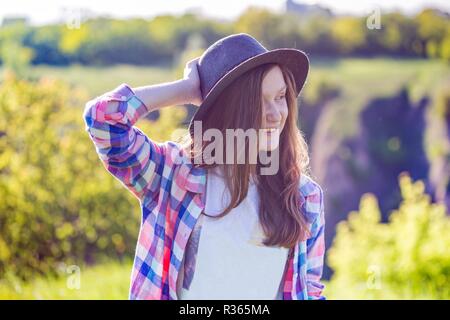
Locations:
(273, 115)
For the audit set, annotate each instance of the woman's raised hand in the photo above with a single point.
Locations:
(191, 79)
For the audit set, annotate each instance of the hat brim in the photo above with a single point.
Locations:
(295, 60)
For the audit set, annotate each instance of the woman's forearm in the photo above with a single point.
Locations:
(183, 91)
(164, 94)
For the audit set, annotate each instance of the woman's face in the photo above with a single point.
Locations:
(274, 107)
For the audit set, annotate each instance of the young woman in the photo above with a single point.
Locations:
(220, 220)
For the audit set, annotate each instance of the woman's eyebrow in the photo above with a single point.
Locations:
(281, 89)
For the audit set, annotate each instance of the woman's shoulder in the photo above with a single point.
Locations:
(312, 197)
(309, 187)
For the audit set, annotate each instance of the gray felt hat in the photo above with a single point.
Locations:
(229, 57)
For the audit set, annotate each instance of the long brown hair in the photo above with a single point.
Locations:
(280, 217)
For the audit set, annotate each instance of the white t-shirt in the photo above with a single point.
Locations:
(231, 261)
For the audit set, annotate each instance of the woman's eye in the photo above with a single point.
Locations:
(281, 97)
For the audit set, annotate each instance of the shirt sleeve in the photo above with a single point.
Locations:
(315, 254)
(126, 152)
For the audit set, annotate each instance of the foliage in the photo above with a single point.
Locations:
(58, 203)
(409, 257)
(14, 55)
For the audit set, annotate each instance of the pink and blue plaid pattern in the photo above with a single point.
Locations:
(171, 192)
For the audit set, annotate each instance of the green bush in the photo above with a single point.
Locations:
(58, 204)
(408, 257)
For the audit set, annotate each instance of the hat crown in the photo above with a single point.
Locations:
(224, 55)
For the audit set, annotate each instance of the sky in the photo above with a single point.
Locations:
(49, 11)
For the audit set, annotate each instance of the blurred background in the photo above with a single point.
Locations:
(375, 112)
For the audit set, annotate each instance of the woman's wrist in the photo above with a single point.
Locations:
(186, 91)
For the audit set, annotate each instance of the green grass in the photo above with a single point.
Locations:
(97, 80)
(359, 79)
(105, 281)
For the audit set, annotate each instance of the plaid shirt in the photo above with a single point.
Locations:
(171, 192)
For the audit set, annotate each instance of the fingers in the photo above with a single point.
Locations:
(193, 61)
(191, 64)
